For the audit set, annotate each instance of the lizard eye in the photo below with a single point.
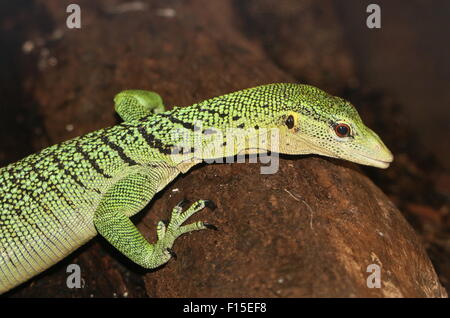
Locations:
(290, 121)
(342, 130)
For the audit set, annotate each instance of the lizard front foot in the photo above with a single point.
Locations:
(168, 233)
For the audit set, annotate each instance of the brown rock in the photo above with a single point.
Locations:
(311, 230)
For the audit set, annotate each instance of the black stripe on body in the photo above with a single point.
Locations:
(13, 236)
(56, 189)
(47, 209)
(32, 195)
(154, 142)
(119, 151)
(67, 172)
(92, 162)
(181, 122)
(60, 165)
(213, 111)
(28, 218)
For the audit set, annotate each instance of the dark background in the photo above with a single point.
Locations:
(397, 76)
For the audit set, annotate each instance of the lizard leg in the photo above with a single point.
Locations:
(124, 199)
(136, 104)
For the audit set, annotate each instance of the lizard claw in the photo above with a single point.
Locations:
(210, 204)
(172, 253)
(210, 226)
(182, 203)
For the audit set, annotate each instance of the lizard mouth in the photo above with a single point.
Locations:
(374, 161)
(383, 163)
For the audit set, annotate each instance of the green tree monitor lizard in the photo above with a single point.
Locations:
(54, 201)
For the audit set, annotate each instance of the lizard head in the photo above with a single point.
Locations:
(319, 123)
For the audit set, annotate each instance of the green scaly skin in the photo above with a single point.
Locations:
(54, 201)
